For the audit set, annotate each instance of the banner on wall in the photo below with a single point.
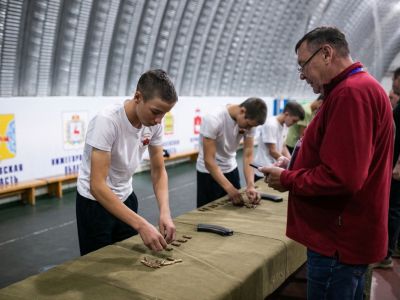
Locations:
(49, 136)
(196, 121)
(279, 105)
(8, 146)
(75, 124)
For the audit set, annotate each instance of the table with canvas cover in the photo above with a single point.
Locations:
(250, 264)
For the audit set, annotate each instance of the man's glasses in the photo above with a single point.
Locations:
(301, 68)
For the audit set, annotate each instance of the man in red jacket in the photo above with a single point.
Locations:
(339, 178)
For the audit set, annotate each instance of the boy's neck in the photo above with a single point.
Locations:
(130, 110)
(233, 110)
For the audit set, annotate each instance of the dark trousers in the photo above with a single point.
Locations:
(394, 216)
(327, 278)
(209, 190)
(97, 227)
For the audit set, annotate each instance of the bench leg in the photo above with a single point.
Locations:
(55, 189)
(51, 189)
(58, 191)
(30, 196)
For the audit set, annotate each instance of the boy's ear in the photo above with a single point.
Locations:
(137, 97)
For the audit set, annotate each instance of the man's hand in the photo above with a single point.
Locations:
(272, 177)
(151, 237)
(282, 162)
(253, 195)
(234, 196)
(396, 172)
(167, 227)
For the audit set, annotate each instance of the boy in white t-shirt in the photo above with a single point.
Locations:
(271, 141)
(220, 136)
(106, 206)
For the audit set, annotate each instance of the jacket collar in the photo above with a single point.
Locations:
(340, 77)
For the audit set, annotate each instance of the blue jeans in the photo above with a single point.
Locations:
(327, 278)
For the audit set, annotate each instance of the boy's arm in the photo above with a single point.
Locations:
(272, 151)
(248, 145)
(159, 178)
(100, 163)
(285, 151)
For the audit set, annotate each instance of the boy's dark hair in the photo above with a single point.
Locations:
(156, 83)
(294, 109)
(325, 35)
(396, 74)
(256, 109)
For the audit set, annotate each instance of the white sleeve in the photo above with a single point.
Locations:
(269, 134)
(209, 127)
(101, 133)
(157, 136)
(251, 133)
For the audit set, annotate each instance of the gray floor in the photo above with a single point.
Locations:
(33, 239)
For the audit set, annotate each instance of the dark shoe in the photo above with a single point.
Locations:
(384, 264)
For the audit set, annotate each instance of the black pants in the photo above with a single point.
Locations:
(209, 190)
(394, 216)
(97, 227)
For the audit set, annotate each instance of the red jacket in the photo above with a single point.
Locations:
(339, 182)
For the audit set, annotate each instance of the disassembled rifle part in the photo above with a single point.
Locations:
(158, 263)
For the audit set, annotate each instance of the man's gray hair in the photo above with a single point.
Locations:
(325, 35)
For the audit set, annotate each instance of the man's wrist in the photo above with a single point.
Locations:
(139, 223)
(227, 185)
(250, 186)
(164, 210)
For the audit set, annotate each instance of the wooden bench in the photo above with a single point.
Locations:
(192, 155)
(27, 190)
(55, 183)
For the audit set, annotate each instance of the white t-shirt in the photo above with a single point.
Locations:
(220, 127)
(111, 131)
(272, 132)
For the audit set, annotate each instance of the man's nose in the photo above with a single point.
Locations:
(302, 77)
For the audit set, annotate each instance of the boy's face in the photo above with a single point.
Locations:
(245, 124)
(152, 111)
(290, 119)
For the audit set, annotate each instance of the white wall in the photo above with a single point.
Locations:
(49, 132)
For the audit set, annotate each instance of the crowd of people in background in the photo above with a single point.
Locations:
(338, 157)
(296, 131)
(272, 137)
(220, 135)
